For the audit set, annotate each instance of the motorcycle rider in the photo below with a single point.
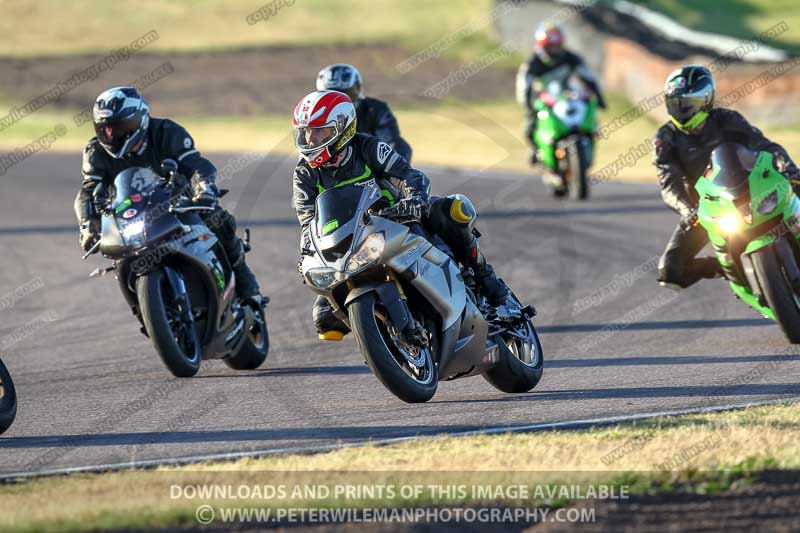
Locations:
(127, 136)
(550, 61)
(682, 149)
(374, 116)
(333, 153)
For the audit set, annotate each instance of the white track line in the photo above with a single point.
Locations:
(570, 424)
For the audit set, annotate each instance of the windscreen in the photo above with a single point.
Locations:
(336, 207)
(131, 185)
(731, 165)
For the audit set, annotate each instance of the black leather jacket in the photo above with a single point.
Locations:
(165, 140)
(375, 118)
(366, 157)
(681, 158)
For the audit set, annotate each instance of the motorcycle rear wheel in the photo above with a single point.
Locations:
(255, 348)
(521, 361)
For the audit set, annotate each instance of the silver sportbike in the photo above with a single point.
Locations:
(416, 316)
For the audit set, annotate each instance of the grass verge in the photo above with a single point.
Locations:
(745, 19)
(95, 26)
(712, 451)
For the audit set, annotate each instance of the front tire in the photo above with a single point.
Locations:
(578, 168)
(8, 399)
(371, 329)
(175, 339)
(778, 292)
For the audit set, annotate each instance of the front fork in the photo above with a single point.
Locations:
(178, 287)
(392, 297)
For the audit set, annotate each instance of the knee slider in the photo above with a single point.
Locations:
(670, 274)
(462, 211)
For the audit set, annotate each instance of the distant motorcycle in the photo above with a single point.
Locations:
(417, 317)
(8, 399)
(564, 138)
(175, 275)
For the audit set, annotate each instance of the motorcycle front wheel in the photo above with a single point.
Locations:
(169, 324)
(409, 373)
(771, 268)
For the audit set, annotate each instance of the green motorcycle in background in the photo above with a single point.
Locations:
(564, 138)
(752, 217)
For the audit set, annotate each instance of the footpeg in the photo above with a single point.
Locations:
(529, 311)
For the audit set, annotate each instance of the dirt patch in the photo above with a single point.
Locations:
(772, 503)
(245, 82)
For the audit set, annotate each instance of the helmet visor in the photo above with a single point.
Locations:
(309, 138)
(682, 108)
(114, 133)
(683, 105)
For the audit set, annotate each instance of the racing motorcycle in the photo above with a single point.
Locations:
(752, 218)
(416, 316)
(8, 399)
(175, 275)
(564, 138)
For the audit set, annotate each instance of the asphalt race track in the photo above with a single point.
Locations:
(93, 391)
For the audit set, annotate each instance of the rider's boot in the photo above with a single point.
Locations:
(495, 290)
(246, 284)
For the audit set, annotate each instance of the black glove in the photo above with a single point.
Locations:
(204, 194)
(90, 232)
(689, 219)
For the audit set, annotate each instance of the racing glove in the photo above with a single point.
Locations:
(90, 232)
(414, 207)
(204, 194)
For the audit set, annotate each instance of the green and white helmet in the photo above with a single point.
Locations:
(689, 95)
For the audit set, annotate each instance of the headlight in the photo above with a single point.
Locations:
(729, 223)
(369, 252)
(322, 278)
(768, 204)
(134, 229)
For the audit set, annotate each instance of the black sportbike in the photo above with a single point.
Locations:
(174, 273)
(8, 399)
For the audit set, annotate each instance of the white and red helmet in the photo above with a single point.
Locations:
(549, 41)
(324, 123)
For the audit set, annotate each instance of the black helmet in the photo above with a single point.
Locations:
(342, 78)
(121, 117)
(689, 95)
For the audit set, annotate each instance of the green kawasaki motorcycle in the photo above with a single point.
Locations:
(752, 217)
(564, 138)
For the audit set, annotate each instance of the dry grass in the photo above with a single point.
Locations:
(52, 27)
(760, 436)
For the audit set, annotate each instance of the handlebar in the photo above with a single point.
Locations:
(187, 209)
(392, 212)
